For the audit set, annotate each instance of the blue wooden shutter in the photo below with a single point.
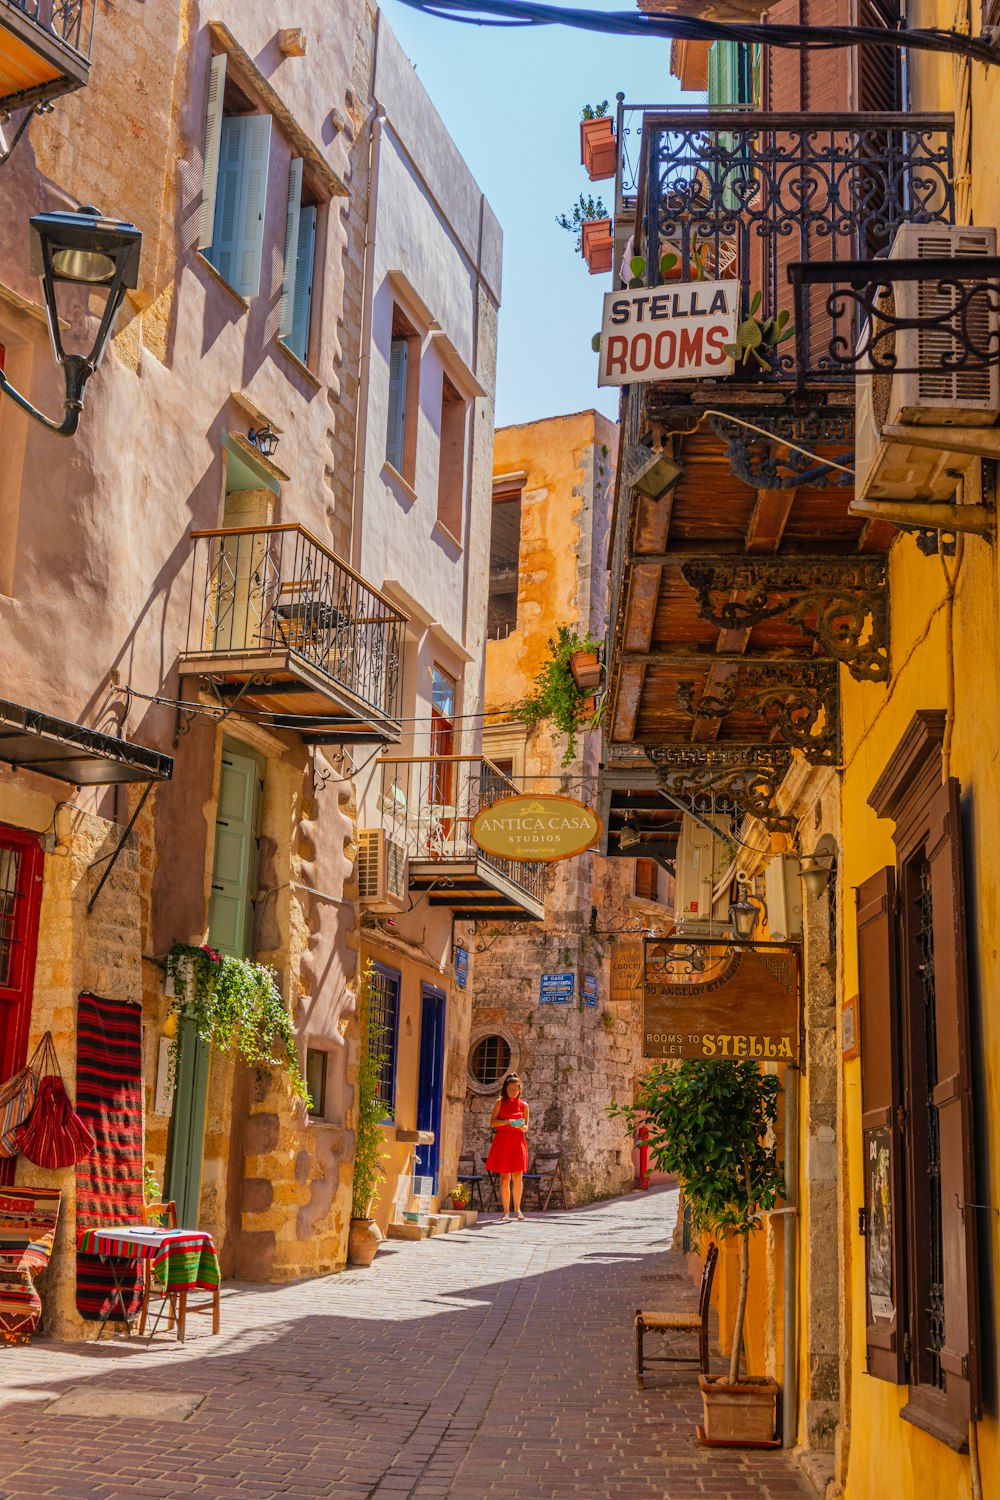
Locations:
(397, 404)
(250, 241)
(222, 253)
(210, 162)
(234, 870)
(298, 340)
(292, 217)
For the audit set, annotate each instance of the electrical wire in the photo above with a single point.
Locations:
(508, 13)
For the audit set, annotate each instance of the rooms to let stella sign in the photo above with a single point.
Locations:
(672, 332)
(536, 828)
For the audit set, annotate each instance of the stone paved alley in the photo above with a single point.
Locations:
(497, 1362)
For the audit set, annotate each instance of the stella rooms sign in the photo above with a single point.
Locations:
(672, 332)
(536, 828)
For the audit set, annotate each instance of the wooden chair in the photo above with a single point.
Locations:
(677, 1322)
(545, 1177)
(165, 1216)
(473, 1180)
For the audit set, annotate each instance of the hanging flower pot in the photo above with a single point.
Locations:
(597, 148)
(586, 669)
(597, 245)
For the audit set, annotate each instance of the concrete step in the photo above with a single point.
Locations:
(408, 1231)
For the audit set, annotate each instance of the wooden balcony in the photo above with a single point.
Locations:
(44, 49)
(279, 623)
(428, 805)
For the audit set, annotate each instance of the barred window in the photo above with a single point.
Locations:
(489, 1060)
(383, 1021)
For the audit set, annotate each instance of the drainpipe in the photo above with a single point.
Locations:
(367, 315)
(790, 1396)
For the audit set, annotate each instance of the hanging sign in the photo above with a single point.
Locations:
(590, 989)
(461, 967)
(709, 999)
(674, 332)
(540, 829)
(556, 989)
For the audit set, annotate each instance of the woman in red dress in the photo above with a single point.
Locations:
(509, 1151)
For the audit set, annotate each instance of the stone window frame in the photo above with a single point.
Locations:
(479, 1034)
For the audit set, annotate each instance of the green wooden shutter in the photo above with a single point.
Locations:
(292, 216)
(250, 244)
(723, 74)
(234, 872)
(298, 339)
(210, 162)
(397, 404)
(187, 1126)
(222, 253)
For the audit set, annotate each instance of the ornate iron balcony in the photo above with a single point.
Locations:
(428, 805)
(280, 621)
(45, 49)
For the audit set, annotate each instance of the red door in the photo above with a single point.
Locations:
(20, 902)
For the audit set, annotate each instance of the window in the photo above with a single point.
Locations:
(383, 1024)
(404, 397)
(234, 183)
(451, 466)
(489, 1060)
(647, 879)
(442, 777)
(917, 1116)
(505, 547)
(300, 255)
(316, 1066)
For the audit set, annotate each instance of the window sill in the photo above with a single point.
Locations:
(922, 1410)
(395, 481)
(439, 529)
(217, 276)
(299, 364)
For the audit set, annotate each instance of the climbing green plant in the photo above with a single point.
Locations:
(711, 1123)
(369, 1141)
(556, 696)
(236, 1006)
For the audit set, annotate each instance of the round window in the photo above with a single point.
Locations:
(489, 1060)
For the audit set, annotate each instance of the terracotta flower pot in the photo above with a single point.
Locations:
(589, 705)
(597, 148)
(738, 1415)
(586, 669)
(363, 1241)
(458, 1205)
(597, 244)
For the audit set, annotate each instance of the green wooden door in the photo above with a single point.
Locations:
(230, 930)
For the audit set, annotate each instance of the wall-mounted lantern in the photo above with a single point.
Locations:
(264, 439)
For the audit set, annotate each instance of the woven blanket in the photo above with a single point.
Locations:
(27, 1228)
(181, 1258)
(109, 1101)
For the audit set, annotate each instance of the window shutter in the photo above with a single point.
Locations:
(292, 218)
(397, 404)
(213, 136)
(784, 67)
(298, 340)
(234, 869)
(881, 1097)
(253, 194)
(953, 1098)
(222, 252)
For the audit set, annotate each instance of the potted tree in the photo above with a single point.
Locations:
(590, 221)
(556, 696)
(711, 1123)
(597, 142)
(365, 1236)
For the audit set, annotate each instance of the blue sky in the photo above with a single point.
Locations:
(512, 102)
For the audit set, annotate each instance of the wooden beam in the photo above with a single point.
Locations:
(767, 520)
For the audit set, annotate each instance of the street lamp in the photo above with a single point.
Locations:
(743, 912)
(81, 249)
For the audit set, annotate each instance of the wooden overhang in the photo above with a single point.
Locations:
(41, 59)
(480, 888)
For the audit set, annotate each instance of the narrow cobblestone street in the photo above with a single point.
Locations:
(497, 1362)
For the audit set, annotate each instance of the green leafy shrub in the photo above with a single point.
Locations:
(594, 111)
(556, 696)
(583, 211)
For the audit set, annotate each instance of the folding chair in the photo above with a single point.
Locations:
(545, 1176)
(677, 1322)
(473, 1180)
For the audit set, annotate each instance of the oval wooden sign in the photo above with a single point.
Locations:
(537, 829)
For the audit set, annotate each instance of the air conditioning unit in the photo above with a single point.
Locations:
(895, 457)
(382, 871)
(783, 895)
(701, 862)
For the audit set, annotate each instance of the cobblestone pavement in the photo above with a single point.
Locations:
(496, 1362)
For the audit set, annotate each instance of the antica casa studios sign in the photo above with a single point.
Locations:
(672, 332)
(536, 828)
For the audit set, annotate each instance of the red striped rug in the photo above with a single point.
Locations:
(109, 1100)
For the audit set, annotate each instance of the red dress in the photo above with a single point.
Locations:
(509, 1151)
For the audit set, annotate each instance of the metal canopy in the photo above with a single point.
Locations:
(34, 741)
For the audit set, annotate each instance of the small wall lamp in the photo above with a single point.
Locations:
(264, 439)
(81, 249)
(814, 870)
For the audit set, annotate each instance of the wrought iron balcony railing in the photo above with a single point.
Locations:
(45, 48)
(428, 805)
(745, 195)
(281, 609)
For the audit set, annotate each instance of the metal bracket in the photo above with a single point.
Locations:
(112, 858)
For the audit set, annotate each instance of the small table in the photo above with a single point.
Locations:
(182, 1260)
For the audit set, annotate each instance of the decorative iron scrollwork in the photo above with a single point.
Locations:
(797, 699)
(840, 602)
(712, 779)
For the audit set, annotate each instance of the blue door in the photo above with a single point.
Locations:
(430, 1089)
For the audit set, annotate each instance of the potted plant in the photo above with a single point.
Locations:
(590, 221)
(556, 696)
(597, 142)
(459, 1196)
(585, 665)
(758, 338)
(369, 1153)
(712, 1124)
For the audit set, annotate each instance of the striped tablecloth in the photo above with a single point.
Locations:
(182, 1258)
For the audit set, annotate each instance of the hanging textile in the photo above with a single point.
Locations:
(109, 1101)
(53, 1135)
(17, 1100)
(27, 1228)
